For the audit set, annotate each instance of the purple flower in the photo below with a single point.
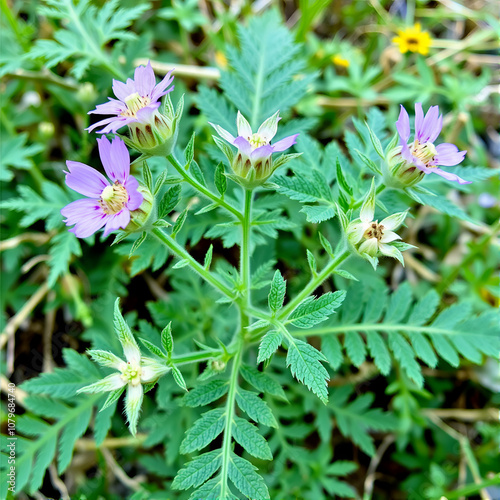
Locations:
(138, 100)
(422, 152)
(107, 204)
(255, 149)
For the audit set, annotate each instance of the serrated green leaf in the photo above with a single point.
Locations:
(242, 474)
(189, 151)
(332, 350)
(179, 379)
(205, 394)
(312, 311)
(304, 362)
(198, 470)
(262, 382)
(269, 344)
(220, 179)
(169, 201)
(246, 435)
(255, 407)
(277, 292)
(179, 222)
(204, 431)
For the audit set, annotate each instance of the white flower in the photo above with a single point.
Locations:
(131, 373)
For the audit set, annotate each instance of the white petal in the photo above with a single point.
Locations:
(269, 128)
(110, 383)
(391, 251)
(368, 207)
(244, 129)
(394, 221)
(389, 236)
(369, 246)
(133, 403)
(355, 231)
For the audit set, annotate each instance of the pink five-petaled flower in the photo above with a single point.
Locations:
(422, 153)
(255, 149)
(107, 204)
(138, 100)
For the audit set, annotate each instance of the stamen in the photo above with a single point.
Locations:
(257, 140)
(134, 103)
(113, 198)
(375, 230)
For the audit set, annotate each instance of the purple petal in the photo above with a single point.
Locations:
(113, 107)
(84, 179)
(430, 124)
(161, 89)
(117, 157)
(448, 155)
(243, 145)
(419, 120)
(123, 90)
(144, 78)
(134, 196)
(144, 114)
(113, 124)
(438, 126)
(87, 216)
(450, 177)
(285, 143)
(262, 152)
(406, 153)
(403, 125)
(117, 124)
(117, 221)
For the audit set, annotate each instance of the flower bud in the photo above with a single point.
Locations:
(399, 173)
(86, 93)
(46, 130)
(140, 216)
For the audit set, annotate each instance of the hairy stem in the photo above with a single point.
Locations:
(313, 284)
(245, 247)
(202, 189)
(196, 266)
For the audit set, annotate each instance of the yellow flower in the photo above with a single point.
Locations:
(413, 40)
(338, 60)
(221, 59)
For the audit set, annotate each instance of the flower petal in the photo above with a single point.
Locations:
(162, 88)
(123, 90)
(355, 231)
(134, 196)
(261, 152)
(419, 120)
(438, 126)
(87, 216)
(403, 126)
(430, 124)
(223, 133)
(243, 145)
(144, 114)
(84, 179)
(244, 129)
(448, 155)
(285, 143)
(116, 124)
(389, 236)
(115, 159)
(269, 128)
(391, 251)
(109, 383)
(369, 247)
(449, 176)
(144, 79)
(113, 107)
(133, 403)
(117, 221)
(394, 221)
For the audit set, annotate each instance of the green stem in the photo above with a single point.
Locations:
(379, 190)
(230, 404)
(245, 246)
(202, 189)
(313, 284)
(191, 357)
(196, 266)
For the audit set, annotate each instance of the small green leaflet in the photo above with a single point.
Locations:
(220, 179)
(205, 394)
(312, 311)
(277, 292)
(304, 362)
(198, 470)
(167, 341)
(262, 382)
(246, 435)
(242, 474)
(255, 408)
(269, 344)
(179, 222)
(189, 151)
(204, 431)
(169, 201)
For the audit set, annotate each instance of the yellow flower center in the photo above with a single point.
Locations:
(375, 230)
(134, 103)
(131, 373)
(257, 140)
(424, 152)
(113, 198)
